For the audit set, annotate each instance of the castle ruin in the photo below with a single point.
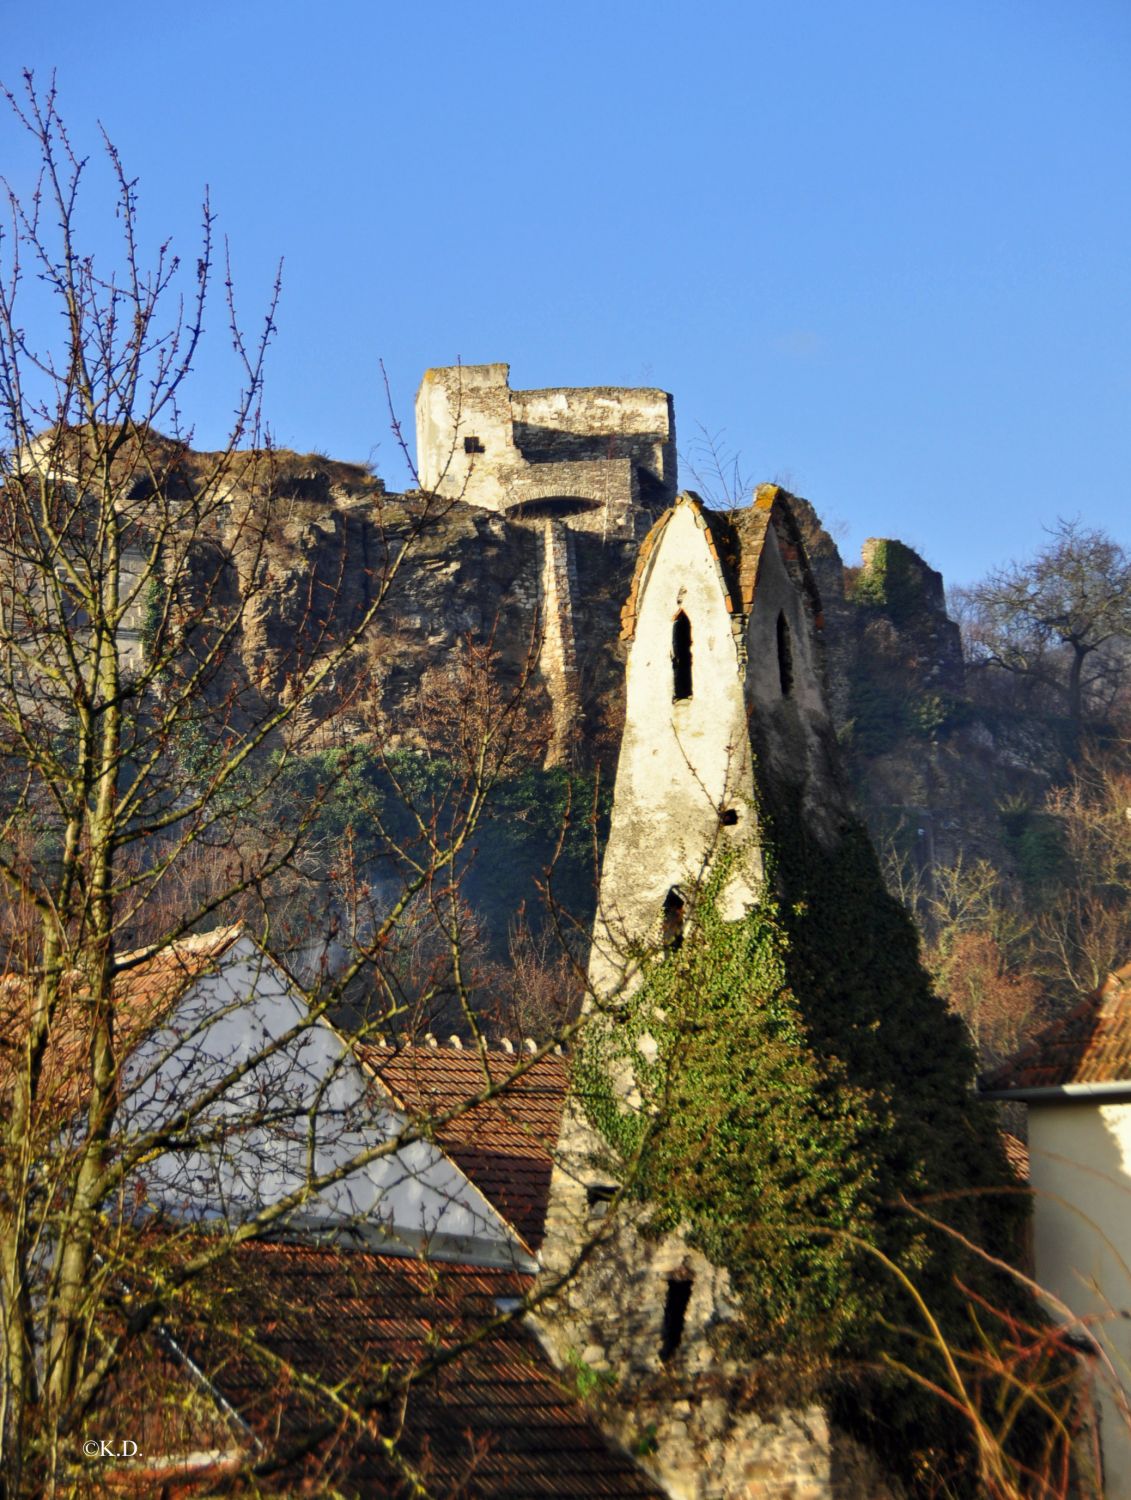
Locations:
(599, 460)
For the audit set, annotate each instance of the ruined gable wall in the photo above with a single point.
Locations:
(792, 730)
(681, 762)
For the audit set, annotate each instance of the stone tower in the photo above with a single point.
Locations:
(724, 697)
(598, 459)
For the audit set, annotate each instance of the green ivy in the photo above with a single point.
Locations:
(806, 1085)
(892, 581)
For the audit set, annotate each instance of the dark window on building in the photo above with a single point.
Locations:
(473, 445)
(728, 817)
(681, 657)
(675, 1316)
(785, 658)
(674, 908)
(599, 1195)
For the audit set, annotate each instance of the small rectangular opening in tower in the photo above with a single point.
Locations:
(473, 445)
(675, 1316)
(598, 1196)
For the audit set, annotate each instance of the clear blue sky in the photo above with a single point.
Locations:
(882, 246)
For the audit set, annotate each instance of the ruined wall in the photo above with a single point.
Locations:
(683, 762)
(594, 456)
(707, 1425)
(558, 657)
(687, 1411)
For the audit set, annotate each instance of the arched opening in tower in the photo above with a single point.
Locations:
(785, 657)
(675, 1315)
(675, 908)
(553, 508)
(681, 657)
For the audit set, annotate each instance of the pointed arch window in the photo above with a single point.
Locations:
(785, 657)
(681, 657)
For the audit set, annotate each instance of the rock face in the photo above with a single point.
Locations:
(305, 559)
(310, 548)
(929, 768)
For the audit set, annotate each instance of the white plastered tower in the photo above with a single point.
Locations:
(724, 701)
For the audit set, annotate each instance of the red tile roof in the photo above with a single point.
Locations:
(1016, 1155)
(1092, 1044)
(294, 1337)
(506, 1145)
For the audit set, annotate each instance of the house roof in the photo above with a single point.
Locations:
(155, 977)
(291, 1337)
(149, 985)
(1016, 1155)
(505, 1145)
(1090, 1045)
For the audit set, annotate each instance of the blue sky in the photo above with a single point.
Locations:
(882, 248)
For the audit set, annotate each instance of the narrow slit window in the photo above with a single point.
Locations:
(675, 1316)
(681, 657)
(674, 909)
(785, 657)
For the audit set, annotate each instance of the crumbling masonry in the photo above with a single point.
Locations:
(599, 460)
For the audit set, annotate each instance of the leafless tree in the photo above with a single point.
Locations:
(1061, 621)
(143, 787)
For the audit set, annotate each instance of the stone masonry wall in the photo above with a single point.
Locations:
(707, 1424)
(479, 441)
(558, 658)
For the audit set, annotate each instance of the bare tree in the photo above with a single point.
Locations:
(1061, 621)
(145, 792)
(1082, 936)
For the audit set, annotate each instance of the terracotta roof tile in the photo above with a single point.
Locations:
(497, 1421)
(1092, 1044)
(1016, 1155)
(506, 1145)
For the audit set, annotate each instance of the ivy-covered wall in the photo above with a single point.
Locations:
(802, 1118)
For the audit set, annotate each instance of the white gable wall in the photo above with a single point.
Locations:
(681, 762)
(303, 1109)
(1080, 1170)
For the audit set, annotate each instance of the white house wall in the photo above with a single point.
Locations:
(1080, 1169)
(305, 1108)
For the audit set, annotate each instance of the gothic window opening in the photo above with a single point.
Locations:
(681, 657)
(785, 657)
(675, 1315)
(674, 909)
